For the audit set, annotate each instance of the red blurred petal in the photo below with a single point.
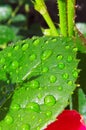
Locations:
(68, 120)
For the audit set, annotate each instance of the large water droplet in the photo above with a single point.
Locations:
(65, 76)
(49, 100)
(32, 57)
(36, 42)
(61, 65)
(25, 46)
(8, 119)
(33, 107)
(46, 54)
(53, 79)
(34, 84)
(69, 58)
(26, 127)
(59, 57)
(15, 64)
(48, 113)
(45, 69)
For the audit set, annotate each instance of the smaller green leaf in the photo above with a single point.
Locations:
(5, 12)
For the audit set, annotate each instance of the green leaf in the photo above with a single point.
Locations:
(5, 12)
(82, 103)
(6, 34)
(48, 67)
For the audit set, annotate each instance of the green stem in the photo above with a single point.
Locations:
(71, 15)
(62, 5)
(40, 6)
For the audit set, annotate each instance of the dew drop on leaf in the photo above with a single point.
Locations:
(32, 57)
(25, 127)
(49, 100)
(61, 65)
(48, 113)
(36, 42)
(15, 64)
(59, 57)
(53, 79)
(69, 58)
(65, 76)
(33, 107)
(34, 84)
(46, 54)
(25, 46)
(8, 119)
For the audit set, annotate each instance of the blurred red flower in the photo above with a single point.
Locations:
(68, 120)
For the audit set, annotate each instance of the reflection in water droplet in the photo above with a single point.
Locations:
(8, 119)
(25, 46)
(45, 69)
(32, 57)
(36, 42)
(65, 76)
(15, 64)
(69, 58)
(48, 113)
(46, 54)
(26, 127)
(53, 79)
(49, 100)
(59, 57)
(34, 84)
(33, 107)
(61, 65)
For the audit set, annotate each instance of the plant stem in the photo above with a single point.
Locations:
(63, 16)
(40, 6)
(71, 15)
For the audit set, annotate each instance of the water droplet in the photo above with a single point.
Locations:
(32, 57)
(53, 79)
(34, 84)
(9, 54)
(49, 100)
(16, 47)
(70, 83)
(45, 69)
(75, 49)
(65, 76)
(69, 58)
(61, 65)
(15, 107)
(15, 64)
(36, 42)
(60, 88)
(25, 46)
(26, 127)
(8, 119)
(67, 47)
(75, 74)
(48, 113)
(2, 60)
(59, 57)
(46, 54)
(33, 107)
